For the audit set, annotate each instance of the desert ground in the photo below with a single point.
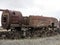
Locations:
(54, 40)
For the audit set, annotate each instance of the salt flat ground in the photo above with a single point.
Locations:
(55, 40)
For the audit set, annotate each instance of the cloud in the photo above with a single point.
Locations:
(33, 7)
(48, 7)
(15, 3)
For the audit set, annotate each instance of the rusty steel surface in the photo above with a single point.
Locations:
(25, 20)
(11, 17)
(37, 21)
(59, 24)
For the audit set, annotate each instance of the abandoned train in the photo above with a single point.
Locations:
(27, 26)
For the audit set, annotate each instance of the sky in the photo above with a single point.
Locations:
(49, 8)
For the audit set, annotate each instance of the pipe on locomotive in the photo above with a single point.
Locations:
(2, 9)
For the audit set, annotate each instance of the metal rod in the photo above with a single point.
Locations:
(2, 9)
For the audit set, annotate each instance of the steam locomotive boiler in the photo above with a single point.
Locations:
(32, 26)
(11, 19)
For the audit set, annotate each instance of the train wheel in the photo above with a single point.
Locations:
(19, 32)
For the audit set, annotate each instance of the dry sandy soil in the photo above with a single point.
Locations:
(55, 40)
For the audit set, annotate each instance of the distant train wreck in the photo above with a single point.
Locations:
(32, 26)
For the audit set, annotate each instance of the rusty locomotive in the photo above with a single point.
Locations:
(32, 26)
(59, 24)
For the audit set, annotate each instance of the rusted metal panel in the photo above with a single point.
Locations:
(16, 17)
(37, 21)
(59, 24)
